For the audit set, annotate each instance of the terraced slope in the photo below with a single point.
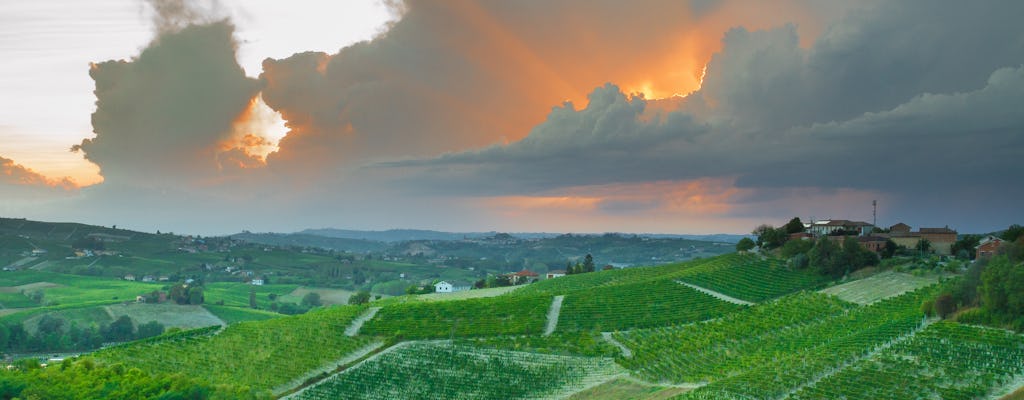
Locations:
(258, 354)
(502, 315)
(638, 305)
(946, 360)
(440, 370)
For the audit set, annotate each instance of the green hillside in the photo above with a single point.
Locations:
(733, 326)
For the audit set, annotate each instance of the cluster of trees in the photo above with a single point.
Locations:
(186, 294)
(55, 334)
(580, 267)
(829, 258)
(992, 290)
(824, 255)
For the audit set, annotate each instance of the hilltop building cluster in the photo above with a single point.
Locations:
(940, 240)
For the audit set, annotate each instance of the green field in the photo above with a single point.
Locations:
(879, 286)
(503, 315)
(237, 294)
(439, 370)
(638, 305)
(231, 314)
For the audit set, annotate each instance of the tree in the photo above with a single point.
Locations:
(588, 263)
(890, 248)
(794, 247)
(150, 329)
(120, 330)
(1012, 233)
(993, 284)
(965, 246)
(944, 305)
(360, 297)
(312, 299)
(252, 297)
(794, 226)
(769, 237)
(195, 295)
(923, 246)
(179, 294)
(745, 244)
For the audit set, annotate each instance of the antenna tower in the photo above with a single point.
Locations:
(874, 213)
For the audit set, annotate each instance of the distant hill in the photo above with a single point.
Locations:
(406, 235)
(308, 240)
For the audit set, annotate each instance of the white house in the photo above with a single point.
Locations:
(257, 282)
(443, 287)
(556, 273)
(449, 287)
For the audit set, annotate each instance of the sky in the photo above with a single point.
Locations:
(702, 116)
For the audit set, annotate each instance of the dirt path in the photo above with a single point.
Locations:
(625, 350)
(720, 296)
(332, 366)
(356, 324)
(556, 308)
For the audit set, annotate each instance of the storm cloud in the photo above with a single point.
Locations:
(163, 117)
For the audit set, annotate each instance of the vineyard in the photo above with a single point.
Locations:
(260, 355)
(502, 315)
(755, 280)
(638, 305)
(771, 347)
(625, 276)
(946, 360)
(440, 370)
(778, 362)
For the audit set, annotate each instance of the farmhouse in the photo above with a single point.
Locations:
(450, 287)
(941, 239)
(829, 227)
(256, 282)
(555, 273)
(129, 277)
(987, 247)
(523, 276)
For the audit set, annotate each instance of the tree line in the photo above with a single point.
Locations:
(55, 334)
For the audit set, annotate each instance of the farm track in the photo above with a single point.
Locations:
(717, 295)
(553, 312)
(357, 324)
(299, 384)
(626, 352)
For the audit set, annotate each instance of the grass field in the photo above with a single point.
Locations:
(168, 314)
(237, 294)
(327, 296)
(231, 314)
(877, 287)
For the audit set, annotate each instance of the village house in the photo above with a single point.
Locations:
(523, 276)
(450, 287)
(987, 247)
(129, 277)
(256, 282)
(829, 227)
(941, 239)
(555, 273)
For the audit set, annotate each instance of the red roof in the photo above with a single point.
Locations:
(524, 272)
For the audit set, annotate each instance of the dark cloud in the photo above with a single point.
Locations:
(885, 102)
(163, 116)
(461, 75)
